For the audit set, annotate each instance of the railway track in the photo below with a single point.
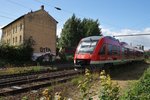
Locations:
(20, 84)
(54, 69)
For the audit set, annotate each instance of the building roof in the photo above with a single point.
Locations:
(42, 8)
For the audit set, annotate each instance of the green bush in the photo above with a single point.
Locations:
(108, 89)
(140, 90)
(2, 63)
(70, 58)
(85, 85)
(13, 54)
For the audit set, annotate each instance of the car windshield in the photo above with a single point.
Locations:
(86, 46)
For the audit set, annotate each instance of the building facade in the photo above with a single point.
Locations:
(39, 25)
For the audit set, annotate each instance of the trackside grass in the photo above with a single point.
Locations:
(140, 90)
(19, 70)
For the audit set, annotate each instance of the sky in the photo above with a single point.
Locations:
(116, 17)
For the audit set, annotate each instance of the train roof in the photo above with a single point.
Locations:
(131, 47)
(140, 50)
(91, 38)
(124, 44)
(97, 38)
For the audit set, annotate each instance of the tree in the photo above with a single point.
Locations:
(90, 27)
(75, 29)
(71, 32)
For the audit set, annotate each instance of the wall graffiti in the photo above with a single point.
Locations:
(46, 49)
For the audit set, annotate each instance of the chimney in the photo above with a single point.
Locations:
(42, 7)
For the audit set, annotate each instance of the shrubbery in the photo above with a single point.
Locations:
(108, 89)
(140, 90)
(85, 85)
(15, 54)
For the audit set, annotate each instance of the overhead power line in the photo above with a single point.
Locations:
(6, 17)
(130, 35)
(16, 3)
(58, 8)
(48, 4)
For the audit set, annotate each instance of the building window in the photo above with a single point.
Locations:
(20, 38)
(13, 40)
(16, 28)
(13, 30)
(20, 27)
(16, 39)
(9, 41)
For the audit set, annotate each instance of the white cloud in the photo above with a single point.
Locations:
(134, 40)
(147, 30)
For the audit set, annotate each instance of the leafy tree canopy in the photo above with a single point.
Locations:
(75, 29)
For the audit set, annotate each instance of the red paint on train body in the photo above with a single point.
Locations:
(103, 50)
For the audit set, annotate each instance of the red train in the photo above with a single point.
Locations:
(98, 50)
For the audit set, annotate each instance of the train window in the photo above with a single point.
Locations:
(102, 50)
(128, 52)
(131, 52)
(109, 49)
(86, 46)
(114, 49)
(125, 52)
(118, 50)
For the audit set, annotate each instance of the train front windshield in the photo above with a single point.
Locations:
(86, 46)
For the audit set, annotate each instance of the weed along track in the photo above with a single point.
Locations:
(20, 84)
(32, 72)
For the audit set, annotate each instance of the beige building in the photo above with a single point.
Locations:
(39, 25)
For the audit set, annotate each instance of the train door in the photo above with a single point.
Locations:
(115, 52)
(109, 52)
(102, 53)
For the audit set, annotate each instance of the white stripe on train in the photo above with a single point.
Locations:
(114, 61)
